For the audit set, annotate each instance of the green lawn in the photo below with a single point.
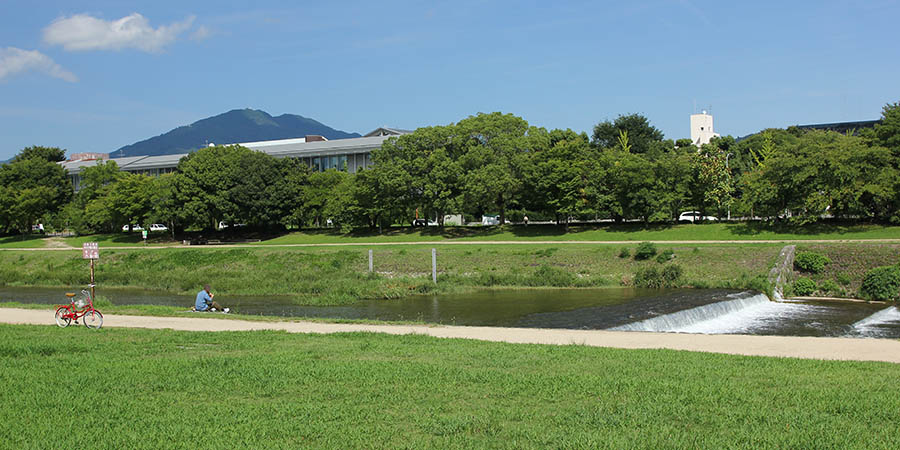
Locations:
(131, 388)
(330, 275)
(28, 241)
(609, 232)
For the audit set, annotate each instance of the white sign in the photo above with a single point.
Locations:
(90, 250)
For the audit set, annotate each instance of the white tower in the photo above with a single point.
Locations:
(702, 128)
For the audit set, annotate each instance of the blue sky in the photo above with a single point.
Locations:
(103, 74)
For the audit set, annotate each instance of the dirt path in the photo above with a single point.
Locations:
(781, 346)
(456, 242)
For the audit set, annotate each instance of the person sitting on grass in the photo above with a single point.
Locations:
(205, 301)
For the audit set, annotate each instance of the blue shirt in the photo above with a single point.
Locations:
(203, 301)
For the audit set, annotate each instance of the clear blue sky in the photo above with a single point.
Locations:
(74, 77)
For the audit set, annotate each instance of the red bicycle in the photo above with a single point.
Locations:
(82, 308)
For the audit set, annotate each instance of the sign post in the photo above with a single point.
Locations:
(144, 234)
(91, 251)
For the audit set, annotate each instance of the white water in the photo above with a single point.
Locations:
(740, 315)
(870, 325)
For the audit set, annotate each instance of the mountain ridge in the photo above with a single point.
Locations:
(237, 125)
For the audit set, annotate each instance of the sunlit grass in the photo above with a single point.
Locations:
(131, 388)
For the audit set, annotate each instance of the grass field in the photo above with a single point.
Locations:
(605, 232)
(339, 275)
(120, 388)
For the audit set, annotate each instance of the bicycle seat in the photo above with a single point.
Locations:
(70, 294)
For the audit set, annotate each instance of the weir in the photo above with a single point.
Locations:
(870, 325)
(681, 321)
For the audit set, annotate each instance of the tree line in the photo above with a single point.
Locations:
(485, 164)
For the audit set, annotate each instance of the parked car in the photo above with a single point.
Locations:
(694, 216)
(158, 227)
(423, 223)
(133, 228)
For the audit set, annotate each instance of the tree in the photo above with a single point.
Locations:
(319, 195)
(35, 187)
(561, 176)
(52, 154)
(494, 150)
(887, 133)
(640, 134)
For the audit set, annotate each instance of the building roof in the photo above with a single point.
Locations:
(385, 131)
(281, 148)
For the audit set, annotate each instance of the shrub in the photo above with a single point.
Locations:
(804, 286)
(829, 287)
(810, 262)
(624, 253)
(645, 250)
(671, 274)
(843, 279)
(882, 283)
(651, 277)
(665, 256)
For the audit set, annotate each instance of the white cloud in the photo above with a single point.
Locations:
(84, 32)
(15, 60)
(202, 32)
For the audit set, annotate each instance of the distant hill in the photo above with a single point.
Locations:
(239, 125)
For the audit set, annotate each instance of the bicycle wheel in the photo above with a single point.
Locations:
(93, 319)
(63, 317)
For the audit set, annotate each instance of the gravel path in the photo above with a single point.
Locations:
(887, 350)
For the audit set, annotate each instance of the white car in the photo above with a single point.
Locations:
(694, 216)
(158, 227)
(133, 228)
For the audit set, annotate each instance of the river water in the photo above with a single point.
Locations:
(710, 311)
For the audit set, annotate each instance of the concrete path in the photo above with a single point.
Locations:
(461, 242)
(887, 350)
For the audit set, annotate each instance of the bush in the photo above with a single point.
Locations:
(810, 262)
(804, 286)
(650, 277)
(624, 253)
(881, 283)
(665, 256)
(829, 287)
(645, 250)
(843, 279)
(671, 274)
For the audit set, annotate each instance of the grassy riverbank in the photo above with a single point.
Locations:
(339, 275)
(131, 388)
(752, 231)
(605, 232)
(843, 276)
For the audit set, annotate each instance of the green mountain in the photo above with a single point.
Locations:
(239, 125)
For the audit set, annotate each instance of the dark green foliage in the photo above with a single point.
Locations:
(882, 283)
(651, 277)
(645, 250)
(804, 286)
(625, 252)
(829, 287)
(810, 262)
(843, 279)
(666, 256)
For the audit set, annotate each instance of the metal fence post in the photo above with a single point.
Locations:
(434, 265)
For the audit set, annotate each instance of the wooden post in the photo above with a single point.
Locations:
(434, 265)
(370, 261)
(92, 279)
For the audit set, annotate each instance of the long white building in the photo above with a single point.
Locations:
(316, 152)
